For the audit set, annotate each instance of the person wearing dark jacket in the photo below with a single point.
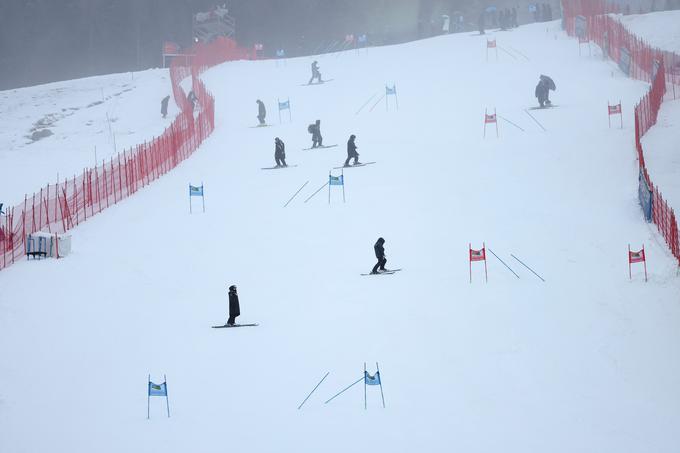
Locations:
(380, 254)
(234, 307)
(261, 112)
(279, 153)
(352, 151)
(193, 99)
(545, 84)
(315, 73)
(164, 106)
(315, 130)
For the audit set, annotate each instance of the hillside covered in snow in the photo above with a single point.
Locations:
(559, 351)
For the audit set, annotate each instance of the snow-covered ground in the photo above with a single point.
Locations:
(662, 142)
(660, 29)
(662, 152)
(585, 361)
(81, 115)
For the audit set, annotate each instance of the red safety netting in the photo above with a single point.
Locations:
(59, 207)
(643, 62)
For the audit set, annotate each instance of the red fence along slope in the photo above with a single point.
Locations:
(59, 207)
(643, 62)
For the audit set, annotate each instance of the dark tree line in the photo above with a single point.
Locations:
(49, 40)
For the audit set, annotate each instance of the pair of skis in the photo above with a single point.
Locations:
(279, 167)
(227, 326)
(548, 106)
(385, 272)
(363, 164)
(319, 147)
(316, 83)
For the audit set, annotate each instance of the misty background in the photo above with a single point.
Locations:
(49, 40)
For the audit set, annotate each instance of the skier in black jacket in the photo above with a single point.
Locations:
(380, 254)
(261, 112)
(352, 151)
(164, 106)
(315, 73)
(545, 84)
(234, 307)
(315, 130)
(279, 153)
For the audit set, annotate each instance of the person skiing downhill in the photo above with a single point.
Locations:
(261, 112)
(279, 153)
(380, 254)
(315, 73)
(164, 106)
(234, 306)
(315, 130)
(352, 151)
(545, 84)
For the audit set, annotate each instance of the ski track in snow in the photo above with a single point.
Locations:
(586, 361)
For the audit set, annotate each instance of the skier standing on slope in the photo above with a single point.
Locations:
(261, 112)
(279, 153)
(234, 307)
(380, 254)
(164, 106)
(352, 151)
(545, 84)
(193, 99)
(315, 73)
(315, 130)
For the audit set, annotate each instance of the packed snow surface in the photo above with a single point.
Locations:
(585, 361)
(662, 151)
(659, 29)
(85, 118)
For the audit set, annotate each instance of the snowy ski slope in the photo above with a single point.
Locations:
(106, 113)
(585, 361)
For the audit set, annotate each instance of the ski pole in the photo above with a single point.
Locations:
(532, 117)
(310, 393)
(366, 103)
(527, 267)
(503, 263)
(291, 198)
(310, 197)
(505, 119)
(346, 388)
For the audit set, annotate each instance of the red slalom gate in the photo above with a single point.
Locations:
(60, 207)
(614, 110)
(478, 255)
(641, 61)
(491, 44)
(636, 257)
(490, 119)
